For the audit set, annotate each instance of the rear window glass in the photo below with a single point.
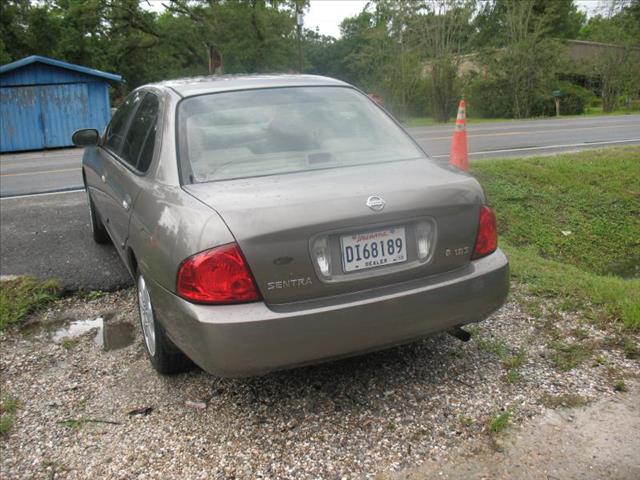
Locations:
(284, 130)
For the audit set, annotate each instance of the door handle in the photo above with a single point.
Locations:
(126, 202)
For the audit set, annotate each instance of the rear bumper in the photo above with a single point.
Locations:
(248, 339)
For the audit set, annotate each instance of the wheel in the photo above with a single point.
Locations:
(165, 357)
(98, 231)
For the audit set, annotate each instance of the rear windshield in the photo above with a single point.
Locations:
(284, 130)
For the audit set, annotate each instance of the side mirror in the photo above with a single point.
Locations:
(86, 137)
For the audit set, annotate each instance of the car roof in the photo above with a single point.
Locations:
(187, 87)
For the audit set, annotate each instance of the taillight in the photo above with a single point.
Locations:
(487, 237)
(219, 275)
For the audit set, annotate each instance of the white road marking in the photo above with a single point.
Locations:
(10, 197)
(546, 147)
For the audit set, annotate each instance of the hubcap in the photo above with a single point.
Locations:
(146, 316)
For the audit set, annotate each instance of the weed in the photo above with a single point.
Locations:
(600, 360)
(631, 349)
(497, 347)
(90, 295)
(473, 330)
(620, 386)
(515, 360)
(510, 361)
(579, 333)
(532, 306)
(513, 376)
(499, 421)
(465, 421)
(68, 343)
(567, 400)
(9, 404)
(6, 423)
(23, 295)
(8, 407)
(567, 356)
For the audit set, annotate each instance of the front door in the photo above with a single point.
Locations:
(124, 168)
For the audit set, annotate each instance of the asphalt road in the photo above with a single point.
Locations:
(519, 138)
(55, 170)
(48, 235)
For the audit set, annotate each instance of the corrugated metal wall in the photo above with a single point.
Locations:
(45, 114)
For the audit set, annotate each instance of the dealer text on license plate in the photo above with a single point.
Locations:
(373, 249)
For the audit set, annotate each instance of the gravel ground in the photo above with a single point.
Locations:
(88, 413)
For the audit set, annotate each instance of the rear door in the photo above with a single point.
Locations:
(130, 162)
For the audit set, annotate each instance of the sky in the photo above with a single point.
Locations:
(326, 15)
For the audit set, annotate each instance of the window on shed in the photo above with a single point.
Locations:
(114, 137)
(140, 140)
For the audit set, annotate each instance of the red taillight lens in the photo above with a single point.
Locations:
(487, 238)
(219, 275)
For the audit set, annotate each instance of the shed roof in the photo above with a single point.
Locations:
(57, 63)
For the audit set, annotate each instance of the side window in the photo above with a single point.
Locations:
(140, 140)
(114, 137)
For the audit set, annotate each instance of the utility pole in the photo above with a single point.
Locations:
(300, 22)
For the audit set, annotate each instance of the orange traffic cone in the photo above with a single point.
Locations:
(459, 152)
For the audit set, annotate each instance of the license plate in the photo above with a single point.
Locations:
(373, 249)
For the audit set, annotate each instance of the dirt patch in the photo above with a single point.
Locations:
(601, 440)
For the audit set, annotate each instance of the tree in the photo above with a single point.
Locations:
(444, 34)
(522, 61)
(617, 68)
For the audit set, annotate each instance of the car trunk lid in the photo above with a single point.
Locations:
(276, 219)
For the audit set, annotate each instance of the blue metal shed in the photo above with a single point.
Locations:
(43, 101)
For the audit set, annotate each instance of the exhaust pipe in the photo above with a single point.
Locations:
(460, 334)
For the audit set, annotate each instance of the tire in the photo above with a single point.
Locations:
(165, 357)
(98, 231)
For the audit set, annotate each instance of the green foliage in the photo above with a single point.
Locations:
(575, 99)
(616, 69)
(411, 53)
(593, 198)
(21, 296)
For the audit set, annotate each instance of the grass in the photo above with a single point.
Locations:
(428, 121)
(23, 295)
(571, 227)
(590, 111)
